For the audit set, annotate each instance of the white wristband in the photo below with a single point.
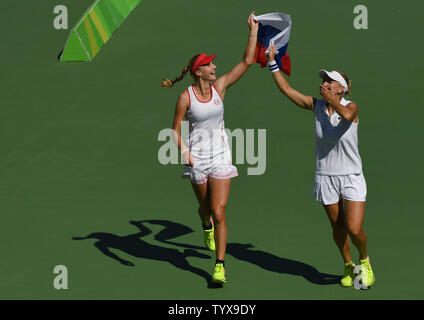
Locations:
(273, 66)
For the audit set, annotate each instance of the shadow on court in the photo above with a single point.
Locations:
(273, 263)
(133, 245)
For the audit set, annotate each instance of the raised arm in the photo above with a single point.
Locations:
(181, 108)
(235, 74)
(303, 101)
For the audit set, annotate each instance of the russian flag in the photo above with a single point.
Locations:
(274, 28)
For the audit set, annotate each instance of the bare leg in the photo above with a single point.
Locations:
(340, 232)
(354, 216)
(203, 197)
(219, 190)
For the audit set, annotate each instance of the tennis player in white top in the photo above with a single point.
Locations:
(339, 181)
(208, 155)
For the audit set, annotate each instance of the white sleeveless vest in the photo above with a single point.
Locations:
(207, 139)
(336, 142)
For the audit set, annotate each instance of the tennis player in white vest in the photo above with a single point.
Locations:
(208, 155)
(339, 181)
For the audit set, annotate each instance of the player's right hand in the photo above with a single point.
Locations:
(188, 158)
(253, 24)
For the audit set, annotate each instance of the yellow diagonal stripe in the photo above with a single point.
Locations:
(93, 44)
(99, 26)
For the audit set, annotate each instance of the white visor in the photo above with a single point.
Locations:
(334, 75)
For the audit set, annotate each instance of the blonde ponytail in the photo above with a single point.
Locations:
(349, 90)
(166, 83)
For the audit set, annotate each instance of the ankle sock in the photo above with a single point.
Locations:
(209, 227)
(220, 261)
(364, 260)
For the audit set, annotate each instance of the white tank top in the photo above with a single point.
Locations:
(336, 142)
(207, 138)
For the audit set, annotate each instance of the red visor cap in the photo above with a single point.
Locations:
(202, 60)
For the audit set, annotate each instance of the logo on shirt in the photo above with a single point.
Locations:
(216, 101)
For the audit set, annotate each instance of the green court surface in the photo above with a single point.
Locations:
(80, 148)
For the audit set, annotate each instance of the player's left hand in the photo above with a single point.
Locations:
(271, 53)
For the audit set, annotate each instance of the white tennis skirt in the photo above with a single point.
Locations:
(218, 167)
(331, 189)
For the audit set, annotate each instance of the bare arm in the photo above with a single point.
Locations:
(181, 108)
(237, 72)
(303, 101)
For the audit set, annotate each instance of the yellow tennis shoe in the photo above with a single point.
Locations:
(367, 275)
(208, 238)
(219, 274)
(348, 276)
